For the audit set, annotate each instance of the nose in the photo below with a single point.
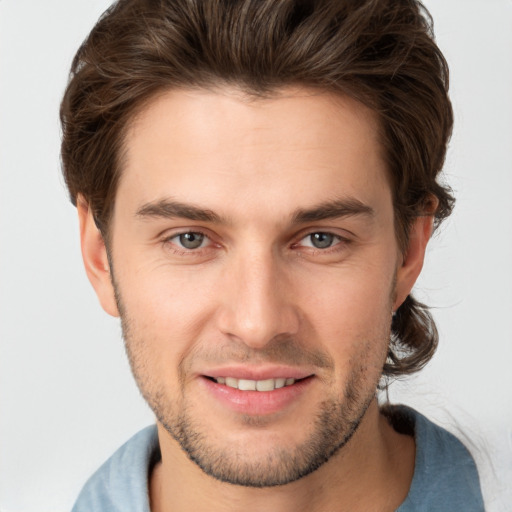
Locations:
(257, 300)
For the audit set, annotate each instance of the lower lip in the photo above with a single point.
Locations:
(257, 402)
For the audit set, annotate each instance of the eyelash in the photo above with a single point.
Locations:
(183, 251)
(339, 243)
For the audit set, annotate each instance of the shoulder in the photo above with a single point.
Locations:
(445, 474)
(121, 482)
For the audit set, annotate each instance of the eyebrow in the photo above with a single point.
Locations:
(170, 209)
(336, 209)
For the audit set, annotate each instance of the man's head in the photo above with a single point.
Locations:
(380, 53)
(264, 177)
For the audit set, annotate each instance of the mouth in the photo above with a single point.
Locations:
(258, 396)
(264, 385)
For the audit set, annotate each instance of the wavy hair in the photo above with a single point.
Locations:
(379, 52)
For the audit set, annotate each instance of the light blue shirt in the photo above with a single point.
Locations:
(445, 476)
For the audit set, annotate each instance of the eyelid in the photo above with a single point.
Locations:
(167, 236)
(205, 241)
(167, 239)
(344, 237)
(340, 245)
(334, 236)
(337, 239)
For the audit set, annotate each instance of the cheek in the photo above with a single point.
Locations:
(351, 300)
(164, 293)
(165, 311)
(351, 315)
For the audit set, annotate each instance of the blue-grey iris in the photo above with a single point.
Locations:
(191, 240)
(322, 240)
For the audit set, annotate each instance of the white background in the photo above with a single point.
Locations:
(67, 399)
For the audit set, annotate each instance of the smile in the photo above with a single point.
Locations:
(257, 396)
(255, 385)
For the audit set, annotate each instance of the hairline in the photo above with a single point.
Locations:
(218, 85)
(139, 108)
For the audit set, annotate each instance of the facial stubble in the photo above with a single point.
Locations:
(336, 421)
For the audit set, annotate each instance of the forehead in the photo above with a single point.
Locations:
(226, 151)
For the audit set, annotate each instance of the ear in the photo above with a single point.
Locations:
(94, 254)
(412, 262)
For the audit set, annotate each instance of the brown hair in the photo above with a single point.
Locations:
(379, 52)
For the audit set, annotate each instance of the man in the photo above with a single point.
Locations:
(256, 184)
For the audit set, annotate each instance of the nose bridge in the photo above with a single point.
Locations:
(257, 302)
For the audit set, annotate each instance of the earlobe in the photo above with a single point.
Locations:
(412, 263)
(94, 254)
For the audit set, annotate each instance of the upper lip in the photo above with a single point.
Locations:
(259, 372)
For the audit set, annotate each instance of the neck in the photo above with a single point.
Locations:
(373, 471)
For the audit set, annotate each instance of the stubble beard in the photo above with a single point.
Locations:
(337, 421)
(334, 425)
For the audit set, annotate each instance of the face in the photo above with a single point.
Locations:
(256, 269)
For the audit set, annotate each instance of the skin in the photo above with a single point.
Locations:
(257, 294)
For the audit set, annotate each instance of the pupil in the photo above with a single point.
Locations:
(191, 240)
(321, 240)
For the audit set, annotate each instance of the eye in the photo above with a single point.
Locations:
(320, 240)
(190, 240)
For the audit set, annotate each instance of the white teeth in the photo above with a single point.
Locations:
(255, 385)
(280, 383)
(265, 385)
(231, 382)
(246, 385)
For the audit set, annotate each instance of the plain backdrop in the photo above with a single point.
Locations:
(67, 399)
